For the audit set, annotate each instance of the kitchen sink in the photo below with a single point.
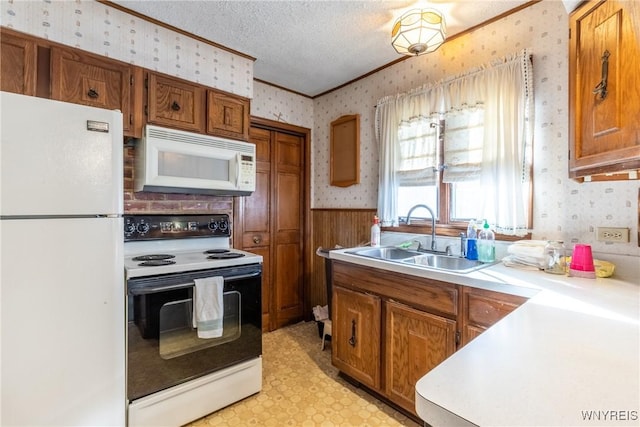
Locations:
(386, 253)
(445, 262)
(421, 259)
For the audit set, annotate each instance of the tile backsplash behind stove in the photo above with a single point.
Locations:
(166, 203)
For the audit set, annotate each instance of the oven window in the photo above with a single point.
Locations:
(178, 337)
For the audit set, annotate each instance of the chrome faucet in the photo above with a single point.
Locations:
(433, 223)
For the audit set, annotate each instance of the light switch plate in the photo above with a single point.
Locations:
(613, 234)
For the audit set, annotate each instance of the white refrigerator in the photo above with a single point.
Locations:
(62, 354)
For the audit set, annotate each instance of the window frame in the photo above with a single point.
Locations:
(444, 225)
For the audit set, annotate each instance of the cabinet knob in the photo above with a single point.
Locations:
(92, 93)
(175, 106)
(256, 239)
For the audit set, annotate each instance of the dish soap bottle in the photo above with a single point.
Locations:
(486, 244)
(472, 247)
(375, 232)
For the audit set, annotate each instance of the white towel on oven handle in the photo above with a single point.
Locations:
(208, 306)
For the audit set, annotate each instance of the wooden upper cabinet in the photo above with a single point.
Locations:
(83, 78)
(175, 103)
(227, 115)
(18, 60)
(604, 88)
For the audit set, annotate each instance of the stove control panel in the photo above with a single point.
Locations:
(153, 227)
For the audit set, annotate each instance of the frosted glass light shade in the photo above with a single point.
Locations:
(418, 31)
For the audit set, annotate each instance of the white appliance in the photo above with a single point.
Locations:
(173, 161)
(173, 376)
(62, 286)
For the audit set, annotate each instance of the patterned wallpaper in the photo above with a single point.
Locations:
(563, 208)
(94, 27)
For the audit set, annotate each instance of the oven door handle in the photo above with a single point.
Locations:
(144, 290)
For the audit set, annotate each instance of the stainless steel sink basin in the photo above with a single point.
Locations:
(421, 259)
(444, 262)
(386, 253)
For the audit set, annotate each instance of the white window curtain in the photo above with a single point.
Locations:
(489, 113)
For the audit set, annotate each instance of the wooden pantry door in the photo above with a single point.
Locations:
(271, 222)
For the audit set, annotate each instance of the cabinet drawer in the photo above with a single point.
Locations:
(485, 310)
(422, 293)
(255, 239)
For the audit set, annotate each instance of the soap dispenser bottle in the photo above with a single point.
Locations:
(472, 248)
(375, 232)
(486, 244)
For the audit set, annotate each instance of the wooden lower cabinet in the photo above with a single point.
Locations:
(390, 329)
(416, 342)
(356, 335)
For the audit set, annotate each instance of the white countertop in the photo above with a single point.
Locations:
(570, 352)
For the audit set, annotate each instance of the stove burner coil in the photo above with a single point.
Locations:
(226, 255)
(153, 257)
(217, 251)
(156, 263)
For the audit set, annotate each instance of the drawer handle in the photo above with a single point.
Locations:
(353, 340)
(256, 239)
(92, 93)
(175, 106)
(601, 88)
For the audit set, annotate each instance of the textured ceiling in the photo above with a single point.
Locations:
(312, 46)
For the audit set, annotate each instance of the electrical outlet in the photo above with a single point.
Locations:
(613, 234)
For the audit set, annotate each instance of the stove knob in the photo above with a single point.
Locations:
(213, 225)
(224, 225)
(143, 228)
(129, 228)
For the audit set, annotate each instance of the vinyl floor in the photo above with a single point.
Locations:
(301, 388)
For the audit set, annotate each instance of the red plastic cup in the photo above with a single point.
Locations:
(582, 259)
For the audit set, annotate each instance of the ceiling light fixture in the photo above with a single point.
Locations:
(418, 31)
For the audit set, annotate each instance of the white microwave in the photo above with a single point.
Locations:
(173, 161)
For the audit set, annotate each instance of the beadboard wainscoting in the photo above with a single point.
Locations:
(331, 227)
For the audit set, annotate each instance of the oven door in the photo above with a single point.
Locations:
(163, 347)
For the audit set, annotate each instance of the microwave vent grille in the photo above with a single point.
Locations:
(192, 138)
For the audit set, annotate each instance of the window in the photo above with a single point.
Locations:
(461, 146)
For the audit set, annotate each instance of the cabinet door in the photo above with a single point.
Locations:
(17, 64)
(175, 103)
(604, 88)
(252, 232)
(356, 335)
(86, 79)
(416, 342)
(287, 219)
(227, 115)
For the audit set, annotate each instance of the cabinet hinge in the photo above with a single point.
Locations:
(457, 338)
(146, 110)
(131, 80)
(146, 83)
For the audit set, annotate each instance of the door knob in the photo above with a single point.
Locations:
(256, 239)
